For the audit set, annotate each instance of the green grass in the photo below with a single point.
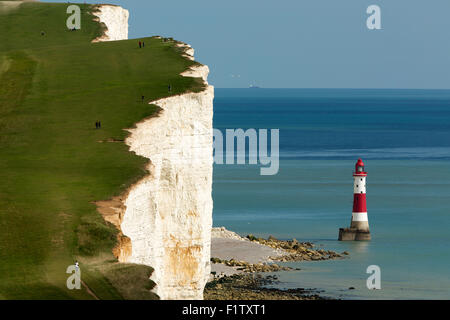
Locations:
(52, 166)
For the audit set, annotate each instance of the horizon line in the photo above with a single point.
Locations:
(337, 88)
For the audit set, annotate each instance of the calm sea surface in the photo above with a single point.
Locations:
(403, 136)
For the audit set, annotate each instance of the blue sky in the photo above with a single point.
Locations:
(306, 43)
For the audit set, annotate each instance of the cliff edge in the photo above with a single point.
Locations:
(115, 19)
(168, 214)
(166, 218)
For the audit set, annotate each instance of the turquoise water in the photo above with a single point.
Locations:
(404, 139)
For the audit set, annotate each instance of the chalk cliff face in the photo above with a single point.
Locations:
(168, 214)
(165, 219)
(116, 20)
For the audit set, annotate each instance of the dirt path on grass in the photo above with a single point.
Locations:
(89, 290)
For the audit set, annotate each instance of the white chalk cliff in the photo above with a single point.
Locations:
(168, 215)
(116, 20)
(166, 218)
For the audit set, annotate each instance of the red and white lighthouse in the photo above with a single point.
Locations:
(359, 226)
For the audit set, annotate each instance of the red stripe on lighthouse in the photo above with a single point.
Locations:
(359, 202)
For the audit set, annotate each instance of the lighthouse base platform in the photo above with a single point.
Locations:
(353, 234)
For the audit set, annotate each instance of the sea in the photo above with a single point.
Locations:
(403, 137)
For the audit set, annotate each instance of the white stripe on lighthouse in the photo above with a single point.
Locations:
(359, 216)
(359, 185)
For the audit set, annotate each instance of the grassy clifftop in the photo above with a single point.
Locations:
(54, 85)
